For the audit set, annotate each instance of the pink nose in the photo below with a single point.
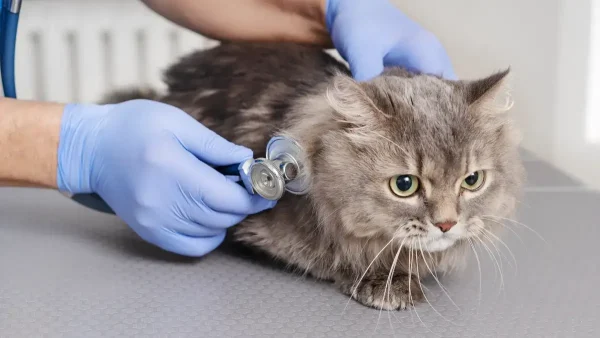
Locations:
(445, 226)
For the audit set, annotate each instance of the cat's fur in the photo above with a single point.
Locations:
(356, 137)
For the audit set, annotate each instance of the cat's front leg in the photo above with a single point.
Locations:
(397, 293)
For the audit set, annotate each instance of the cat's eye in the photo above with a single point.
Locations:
(474, 180)
(404, 185)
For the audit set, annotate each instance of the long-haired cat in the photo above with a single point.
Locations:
(406, 170)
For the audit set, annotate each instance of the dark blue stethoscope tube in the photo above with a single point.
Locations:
(9, 21)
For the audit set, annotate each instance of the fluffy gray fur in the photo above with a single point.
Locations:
(351, 228)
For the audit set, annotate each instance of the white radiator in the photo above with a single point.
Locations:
(77, 50)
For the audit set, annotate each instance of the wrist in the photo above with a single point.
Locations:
(312, 15)
(29, 133)
(314, 10)
(80, 127)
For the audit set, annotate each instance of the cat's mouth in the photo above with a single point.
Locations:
(431, 243)
(438, 243)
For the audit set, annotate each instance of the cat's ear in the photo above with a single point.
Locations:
(350, 102)
(489, 94)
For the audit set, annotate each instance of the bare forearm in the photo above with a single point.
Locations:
(301, 21)
(29, 134)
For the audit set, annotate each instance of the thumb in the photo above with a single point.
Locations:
(427, 58)
(187, 245)
(211, 148)
(365, 65)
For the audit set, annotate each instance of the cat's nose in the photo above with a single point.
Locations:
(445, 226)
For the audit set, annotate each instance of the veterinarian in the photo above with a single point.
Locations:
(151, 162)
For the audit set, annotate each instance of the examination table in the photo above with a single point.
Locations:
(66, 271)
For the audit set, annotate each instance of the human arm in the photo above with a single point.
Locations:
(150, 162)
(29, 133)
(300, 21)
(368, 34)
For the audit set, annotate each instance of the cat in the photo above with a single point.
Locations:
(406, 170)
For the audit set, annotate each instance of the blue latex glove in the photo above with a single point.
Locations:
(369, 34)
(151, 163)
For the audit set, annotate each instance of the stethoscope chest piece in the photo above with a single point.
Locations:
(268, 177)
(267, 180)
(279, 172)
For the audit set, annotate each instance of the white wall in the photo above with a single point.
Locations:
(547, 45)
(576, 150)
(77, 50)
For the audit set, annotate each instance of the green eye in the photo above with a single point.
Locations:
(474, 181)
(404, 185)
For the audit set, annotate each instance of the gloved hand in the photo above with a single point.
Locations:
(151, 163)
(369, 34)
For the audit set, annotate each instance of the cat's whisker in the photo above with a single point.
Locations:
(501, 242)
(485, 236)
(388, 284)
(436, 279)
(421, 285)
(518, 223)
(411, 300)
(478, 267)
(440, 284)
(506, 227)
(495, 261)
(354, 288)
(479, 244)
(395, 261)
(434, 273)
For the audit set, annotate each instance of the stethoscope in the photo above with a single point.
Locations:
(9, 20)
(270, 177)
(280, 171)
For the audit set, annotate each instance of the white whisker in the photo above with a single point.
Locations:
(493, 257)
(355, 287)
(479, 268)
(518, 223)
(388, 284)
(434, 273)
(370, 264)
(485, 236)
(435, 277)
(411, 301)
(504, 244)
(506, 227)
(440, 284)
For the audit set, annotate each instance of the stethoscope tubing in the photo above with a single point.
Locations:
(9, 22)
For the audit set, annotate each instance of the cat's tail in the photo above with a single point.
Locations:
(123, 95)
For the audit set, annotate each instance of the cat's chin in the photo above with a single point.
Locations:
(436, 244)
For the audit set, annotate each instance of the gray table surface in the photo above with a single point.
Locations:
(66, 271)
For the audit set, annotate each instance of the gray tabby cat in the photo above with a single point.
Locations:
(406, 170)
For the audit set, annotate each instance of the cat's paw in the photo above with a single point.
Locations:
(375, 292)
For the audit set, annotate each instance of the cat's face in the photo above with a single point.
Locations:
(427, 161)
